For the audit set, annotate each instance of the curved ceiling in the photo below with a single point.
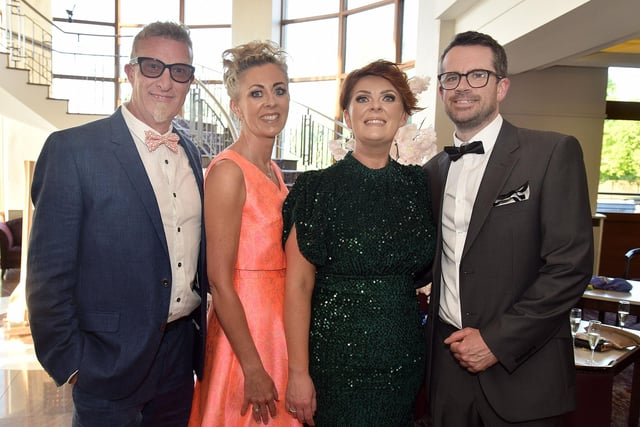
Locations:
(600, 33)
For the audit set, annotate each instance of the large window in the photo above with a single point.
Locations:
(294, 9)
(92, 43)
(84, 10)
(370, 36)
(84, 50)
(312, 56)
(619, 188)
(324, 39)
(327, 39)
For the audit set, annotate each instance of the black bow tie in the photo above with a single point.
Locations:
(456, 152)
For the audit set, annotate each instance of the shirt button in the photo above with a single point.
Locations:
(165, 283)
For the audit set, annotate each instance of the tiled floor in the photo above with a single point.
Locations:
(28, 397)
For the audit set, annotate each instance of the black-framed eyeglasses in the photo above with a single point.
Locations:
(153, 68)
(475, 78)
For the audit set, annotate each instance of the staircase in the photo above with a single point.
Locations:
(25, 72)
(289, 170)
(30, 102)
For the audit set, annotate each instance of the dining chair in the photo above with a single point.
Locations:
(629, 256)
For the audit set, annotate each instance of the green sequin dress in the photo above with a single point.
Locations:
(368, 232)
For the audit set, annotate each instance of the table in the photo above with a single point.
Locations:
(594, 385)
(607, 301)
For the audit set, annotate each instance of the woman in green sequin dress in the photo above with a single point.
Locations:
(356, 234)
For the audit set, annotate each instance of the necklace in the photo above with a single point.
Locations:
(269, 172)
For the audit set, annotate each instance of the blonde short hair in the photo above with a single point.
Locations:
(237, 60)
(167, 30)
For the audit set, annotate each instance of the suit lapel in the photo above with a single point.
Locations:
(438, 182)
(127, 154)
(503, 158)
(443, 162)
(195, 165)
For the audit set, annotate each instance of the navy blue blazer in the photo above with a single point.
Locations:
(98, 272)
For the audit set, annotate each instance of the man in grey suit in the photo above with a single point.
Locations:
(514, 254)
(116, 285)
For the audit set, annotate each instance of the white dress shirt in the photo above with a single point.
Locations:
(178, 198)
(461, 189)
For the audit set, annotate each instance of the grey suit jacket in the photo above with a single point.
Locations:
(99, 276)
(527, 259)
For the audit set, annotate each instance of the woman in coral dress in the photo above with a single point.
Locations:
(246, 355)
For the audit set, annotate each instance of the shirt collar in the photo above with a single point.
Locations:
(488, 135)
(136, 126)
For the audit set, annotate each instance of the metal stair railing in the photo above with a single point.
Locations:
(304, 140)
(28, 42)
(206, 121)
(307, 136)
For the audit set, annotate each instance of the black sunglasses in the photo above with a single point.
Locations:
(153, 68)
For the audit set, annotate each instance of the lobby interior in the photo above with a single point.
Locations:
(559, 53)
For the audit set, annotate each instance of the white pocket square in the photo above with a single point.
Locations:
(520, 194)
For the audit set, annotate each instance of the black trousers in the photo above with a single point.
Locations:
(457, 399)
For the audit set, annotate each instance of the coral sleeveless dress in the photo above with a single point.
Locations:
(259, 281)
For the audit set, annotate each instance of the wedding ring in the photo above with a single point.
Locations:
(256, 409)
(293, 411)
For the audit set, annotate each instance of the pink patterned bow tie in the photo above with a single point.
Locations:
(153, 140)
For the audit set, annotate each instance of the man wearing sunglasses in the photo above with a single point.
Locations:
(116, 284)
(514, 254)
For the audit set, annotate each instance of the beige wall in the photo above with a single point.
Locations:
(255, 20)
(19, 142)
(570, 100)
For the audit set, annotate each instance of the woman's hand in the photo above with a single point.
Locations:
(261, 393)
(301, 398)
(425, 290)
